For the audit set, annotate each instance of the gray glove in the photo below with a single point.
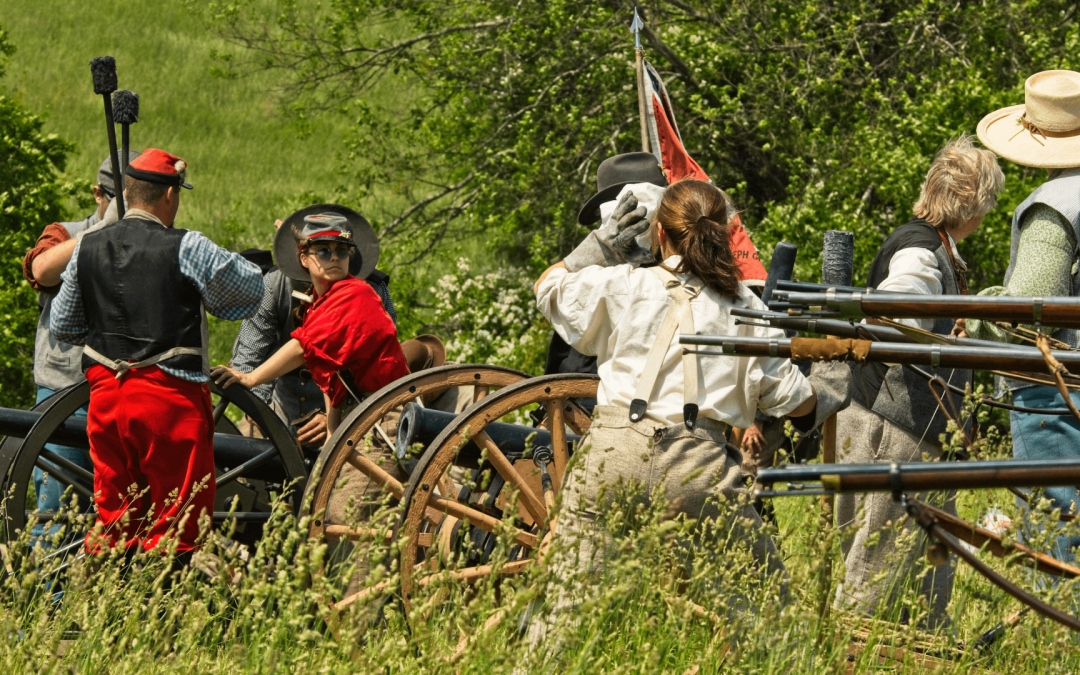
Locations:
(832, 382)
(614, 245)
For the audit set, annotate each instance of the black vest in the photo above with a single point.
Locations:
(907, 401)
(137, 302)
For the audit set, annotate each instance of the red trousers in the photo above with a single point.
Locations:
(152, 444)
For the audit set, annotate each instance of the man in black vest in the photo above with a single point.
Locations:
(897, 419)
(133, 295)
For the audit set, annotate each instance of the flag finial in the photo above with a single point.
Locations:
(635, 27)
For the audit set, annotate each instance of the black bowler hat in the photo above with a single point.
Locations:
(615, 172)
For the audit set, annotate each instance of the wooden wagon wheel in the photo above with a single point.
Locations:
(433, 504)
(275, 460)
(347, 447)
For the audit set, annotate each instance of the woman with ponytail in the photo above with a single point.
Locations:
(662, 415)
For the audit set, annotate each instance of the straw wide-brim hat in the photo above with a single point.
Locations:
(1044, 132)
(287, 255)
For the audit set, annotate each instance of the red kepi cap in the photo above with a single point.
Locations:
(158, 166)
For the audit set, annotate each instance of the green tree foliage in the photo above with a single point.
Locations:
(813, 115)
(32, 195)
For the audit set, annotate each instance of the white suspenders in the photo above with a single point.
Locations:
(679, 317)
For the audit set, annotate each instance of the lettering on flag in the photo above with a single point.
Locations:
(667, 145)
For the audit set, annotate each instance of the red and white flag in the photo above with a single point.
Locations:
(666, 142)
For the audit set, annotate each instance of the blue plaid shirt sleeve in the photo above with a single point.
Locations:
(258, 335)
(384, 294)
(231, 287)
(67, 319)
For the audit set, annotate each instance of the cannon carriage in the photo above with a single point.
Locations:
(250, 471)
(450, 528)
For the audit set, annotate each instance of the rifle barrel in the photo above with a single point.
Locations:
(919, 476)
(1017, 358)
(809, 287)
(849, 329)
(1062, 312)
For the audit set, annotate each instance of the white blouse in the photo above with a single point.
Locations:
(915, 270)
(614, 313)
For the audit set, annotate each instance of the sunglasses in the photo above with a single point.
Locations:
(328, 253)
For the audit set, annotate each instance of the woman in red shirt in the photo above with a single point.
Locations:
(345, 333)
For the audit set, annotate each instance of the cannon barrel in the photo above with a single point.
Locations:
(422, 425)
(229, 450)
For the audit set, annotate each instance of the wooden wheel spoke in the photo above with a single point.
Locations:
(63, 477)
(219, 409)
(364, 465)
(479, 393)
(477, 518)
(526, 495)
(473, 574)
(557, 427)
(345, 532)
(556, 393)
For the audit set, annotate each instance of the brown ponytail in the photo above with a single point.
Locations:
(695, 215)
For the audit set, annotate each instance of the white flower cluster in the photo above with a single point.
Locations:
(490, 317)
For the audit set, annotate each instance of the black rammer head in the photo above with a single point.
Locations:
(103, 69)
(125, 107)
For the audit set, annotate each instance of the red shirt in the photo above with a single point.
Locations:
(347, 329)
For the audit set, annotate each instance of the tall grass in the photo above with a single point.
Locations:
(268, 609)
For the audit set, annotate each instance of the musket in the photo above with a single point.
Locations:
(858, 331)
(809, 287)
(1061, 312)
(1013, 358)
(899, 477)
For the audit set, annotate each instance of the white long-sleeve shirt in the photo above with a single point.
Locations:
(915, 270)
(614, 313)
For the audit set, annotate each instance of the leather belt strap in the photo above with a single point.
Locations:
(121, 367)
(678, 317)
(958, 274)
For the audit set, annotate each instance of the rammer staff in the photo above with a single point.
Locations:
(125, 113)
(103, 70)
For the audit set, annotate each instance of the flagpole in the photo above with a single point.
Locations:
(635, 28)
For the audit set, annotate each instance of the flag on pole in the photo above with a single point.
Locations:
(667, 145)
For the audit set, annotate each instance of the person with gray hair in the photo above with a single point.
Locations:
(893, 416)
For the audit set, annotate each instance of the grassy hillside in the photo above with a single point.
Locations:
(248, 163)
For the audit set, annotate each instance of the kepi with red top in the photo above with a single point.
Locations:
(326, 223)
(158, 166)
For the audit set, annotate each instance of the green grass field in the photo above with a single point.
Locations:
(270, 611)
(247, 162)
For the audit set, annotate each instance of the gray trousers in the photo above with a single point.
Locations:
(881, 558)
(696, 470)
